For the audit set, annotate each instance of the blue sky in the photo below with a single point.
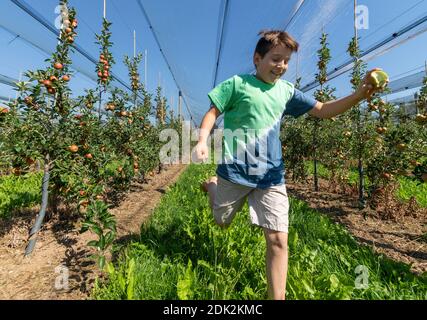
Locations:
(188, 31)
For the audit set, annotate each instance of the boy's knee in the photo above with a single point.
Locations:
(221, 218)
(221, 223)
(277, 241)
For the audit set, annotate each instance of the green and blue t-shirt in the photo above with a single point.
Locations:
(253, 111)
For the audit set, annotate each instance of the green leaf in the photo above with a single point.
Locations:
(131, 279)
(205, 264)
(93, 243)
(295, 240)
(308, 287)
(97, 230)
(334, 282)
(102, 242)
(184, 285)
(110, 225)
(101, 262)
(109, 237)
(110, 269)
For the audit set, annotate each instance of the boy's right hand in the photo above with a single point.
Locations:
(202, 151)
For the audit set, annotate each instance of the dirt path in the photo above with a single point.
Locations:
(61, 251)
(401, 240)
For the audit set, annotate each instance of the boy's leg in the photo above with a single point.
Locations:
(225, 198)
(277, 263)
(269, 209)
(210, 186)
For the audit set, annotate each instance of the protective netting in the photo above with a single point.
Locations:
(202, 41)
(408, 82)
(7, 92)
(410, 99)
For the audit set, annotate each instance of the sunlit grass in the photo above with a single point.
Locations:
(19, 192)
(182, 254)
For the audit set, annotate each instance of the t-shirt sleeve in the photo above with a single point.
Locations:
(222, 94)
(299, 104)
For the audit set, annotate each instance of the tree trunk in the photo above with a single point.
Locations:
(360, 164)
(100, 104)
(315, 131)
(361, 184)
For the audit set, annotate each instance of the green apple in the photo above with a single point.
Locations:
(379, 78)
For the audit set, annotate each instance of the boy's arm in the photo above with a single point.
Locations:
(202, 149)
(333, 108)
(208, 123)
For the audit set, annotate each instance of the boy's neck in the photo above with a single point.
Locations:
(260, 79)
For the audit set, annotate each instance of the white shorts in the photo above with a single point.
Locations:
(268, 208)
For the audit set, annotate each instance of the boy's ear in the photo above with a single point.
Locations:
(257, 58)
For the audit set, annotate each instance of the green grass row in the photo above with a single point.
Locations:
(182, 254)
(407, 187)
(19, 192)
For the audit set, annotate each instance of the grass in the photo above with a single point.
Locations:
(181, 254)
(19, 192)
(409, 188)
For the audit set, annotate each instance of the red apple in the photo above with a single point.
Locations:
(58, 66)
(73, 148)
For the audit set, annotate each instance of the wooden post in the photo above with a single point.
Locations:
(296, 72)
(134, 43)
(355, 25)
(20, 79)
(145, 69)
(359, 129)
(180, 105)
(134, 57)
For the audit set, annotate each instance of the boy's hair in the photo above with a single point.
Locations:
(273, 38)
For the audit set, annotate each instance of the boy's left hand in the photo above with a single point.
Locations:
(366, 89)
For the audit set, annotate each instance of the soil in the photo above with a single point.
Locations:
(61, 250)
(403, 238)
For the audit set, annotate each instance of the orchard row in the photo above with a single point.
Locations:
(90, 147)
(378, 139)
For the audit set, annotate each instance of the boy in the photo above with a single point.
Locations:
(255, 105)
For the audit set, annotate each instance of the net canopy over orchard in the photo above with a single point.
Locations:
(190, 46)
(93, 95)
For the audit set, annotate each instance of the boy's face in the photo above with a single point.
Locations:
(274, 64)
